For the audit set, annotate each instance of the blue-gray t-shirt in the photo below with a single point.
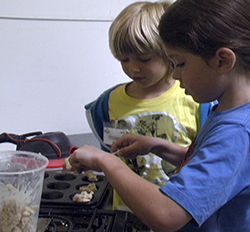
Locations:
(214, 184)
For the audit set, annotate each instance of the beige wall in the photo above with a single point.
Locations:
(54, 58)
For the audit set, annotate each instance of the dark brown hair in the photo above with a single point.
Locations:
(203, 26)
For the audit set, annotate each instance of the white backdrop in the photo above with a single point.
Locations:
(54, 58)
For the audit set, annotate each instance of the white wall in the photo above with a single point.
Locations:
(54, 58)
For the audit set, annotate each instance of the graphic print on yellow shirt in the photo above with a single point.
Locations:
(172, 116)
(154, 124)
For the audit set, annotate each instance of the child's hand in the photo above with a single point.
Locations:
(86, 158)
(67, 164)
(130, 146)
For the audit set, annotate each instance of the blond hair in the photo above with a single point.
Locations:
(135, 30)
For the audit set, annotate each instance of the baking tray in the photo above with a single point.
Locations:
(59, 187)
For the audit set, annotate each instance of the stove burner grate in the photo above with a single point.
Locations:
(92, 221)
(58, 224)
(87, 221)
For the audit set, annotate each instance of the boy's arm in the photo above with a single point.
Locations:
(129, 146)
(145, 199)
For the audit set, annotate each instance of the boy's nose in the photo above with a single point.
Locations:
(134, 67)
(135, 70)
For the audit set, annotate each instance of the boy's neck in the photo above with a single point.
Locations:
(136, 91)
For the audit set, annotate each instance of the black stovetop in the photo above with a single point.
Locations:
(95, 216)
(91, 221)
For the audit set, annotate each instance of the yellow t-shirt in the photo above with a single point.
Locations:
(173, 116)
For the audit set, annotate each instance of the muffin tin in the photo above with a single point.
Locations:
(59, 187)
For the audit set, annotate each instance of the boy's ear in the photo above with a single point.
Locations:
(226, 60)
